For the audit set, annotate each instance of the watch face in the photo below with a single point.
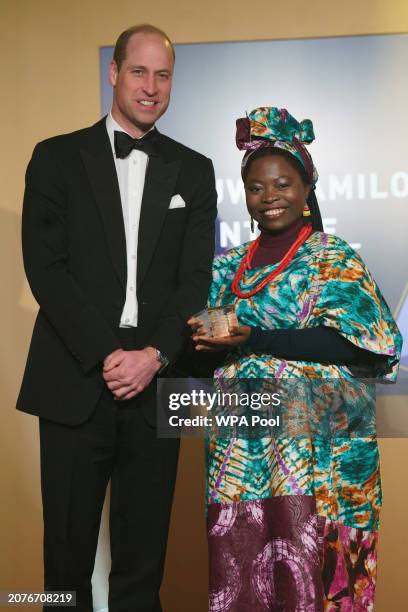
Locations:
(162, 359)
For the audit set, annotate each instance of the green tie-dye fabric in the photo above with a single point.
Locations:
(326, 284)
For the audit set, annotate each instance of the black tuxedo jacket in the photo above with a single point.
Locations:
(74, 249)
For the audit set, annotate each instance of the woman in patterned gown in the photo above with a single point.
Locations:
(293, 519)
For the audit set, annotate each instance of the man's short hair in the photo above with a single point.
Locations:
(119, 53)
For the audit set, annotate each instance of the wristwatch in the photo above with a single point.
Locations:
(162, 359)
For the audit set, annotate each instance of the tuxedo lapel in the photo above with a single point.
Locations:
(100, 167)
(161, 177)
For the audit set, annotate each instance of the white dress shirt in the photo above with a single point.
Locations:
(131, 173)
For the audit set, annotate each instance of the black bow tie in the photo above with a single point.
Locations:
(124, 143)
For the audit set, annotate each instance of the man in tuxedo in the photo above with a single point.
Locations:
(118, 238)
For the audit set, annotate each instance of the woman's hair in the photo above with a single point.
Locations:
(315, 216)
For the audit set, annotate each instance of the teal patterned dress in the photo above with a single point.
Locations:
(293, 520)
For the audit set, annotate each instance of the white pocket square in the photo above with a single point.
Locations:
(177, 202)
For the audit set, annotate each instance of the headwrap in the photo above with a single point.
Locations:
(275, 127)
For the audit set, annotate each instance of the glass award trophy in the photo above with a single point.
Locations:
(218, 321)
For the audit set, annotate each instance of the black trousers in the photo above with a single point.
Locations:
(115, 443)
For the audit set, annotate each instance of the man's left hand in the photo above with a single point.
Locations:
(130, 372)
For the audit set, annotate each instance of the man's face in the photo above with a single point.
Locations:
(142, 86)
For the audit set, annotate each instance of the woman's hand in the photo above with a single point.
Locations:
(197, 327)
(240, 335)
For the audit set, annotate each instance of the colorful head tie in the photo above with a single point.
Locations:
(275, 127)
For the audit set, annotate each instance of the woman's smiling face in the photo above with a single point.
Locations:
(275, 192)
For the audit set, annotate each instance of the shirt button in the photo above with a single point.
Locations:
(130, 288)
(134, 226)
(133, 256)
(127, 320)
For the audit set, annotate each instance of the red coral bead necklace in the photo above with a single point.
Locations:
(246, 263)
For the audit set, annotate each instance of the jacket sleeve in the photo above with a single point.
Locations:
(83, 330)
(194, 273)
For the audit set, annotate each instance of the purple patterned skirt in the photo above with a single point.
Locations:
(278, 555)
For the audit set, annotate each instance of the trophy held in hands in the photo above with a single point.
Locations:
(218, 321)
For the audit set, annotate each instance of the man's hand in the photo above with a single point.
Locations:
(128, 373)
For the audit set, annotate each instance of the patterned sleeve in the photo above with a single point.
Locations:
(350, 302)
(220, 274)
